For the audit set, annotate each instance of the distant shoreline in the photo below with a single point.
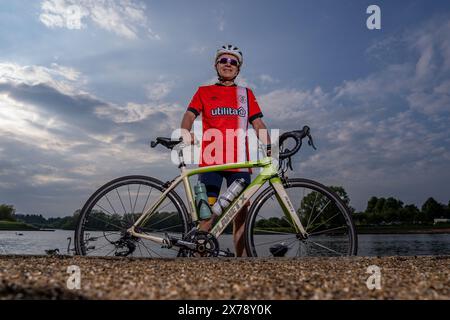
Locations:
(400, 230)
(20, 226)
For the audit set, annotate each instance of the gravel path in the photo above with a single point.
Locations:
(43, 277)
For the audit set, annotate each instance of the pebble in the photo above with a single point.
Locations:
(45, 277)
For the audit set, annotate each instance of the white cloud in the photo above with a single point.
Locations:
(134, 112)
(267, 79)
(197, 49)
(384, 132)
(46, 179)
(159, 90)
(242, 81)
(391, 79)
(291, 105)
(59, 13)
(44, 148)
(126, 18)
(28, 125)
(64, 79)
(25, 122)
(52, 20)
(221, 20)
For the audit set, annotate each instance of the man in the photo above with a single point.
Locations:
(225, 107)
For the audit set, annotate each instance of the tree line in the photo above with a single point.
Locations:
(379, 211)
(391, 210)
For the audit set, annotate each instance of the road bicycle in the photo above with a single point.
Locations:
(140, 216)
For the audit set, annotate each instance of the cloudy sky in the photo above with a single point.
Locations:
(81, 99)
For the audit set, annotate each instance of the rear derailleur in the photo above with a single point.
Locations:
(125, 246)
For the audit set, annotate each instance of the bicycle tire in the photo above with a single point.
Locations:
(126, 181)
(333, 237)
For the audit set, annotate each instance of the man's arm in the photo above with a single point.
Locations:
(186, 126)
(262, 133)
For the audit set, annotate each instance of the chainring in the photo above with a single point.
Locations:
(206, 245)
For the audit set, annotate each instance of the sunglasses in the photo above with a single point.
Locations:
(231, 61)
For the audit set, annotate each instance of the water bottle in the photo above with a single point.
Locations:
(225, 200)
(201, 201)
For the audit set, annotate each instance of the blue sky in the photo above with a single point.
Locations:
(78, 106)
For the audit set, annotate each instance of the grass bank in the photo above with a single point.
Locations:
(16, 226)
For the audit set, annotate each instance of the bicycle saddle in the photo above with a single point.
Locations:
(166, 142)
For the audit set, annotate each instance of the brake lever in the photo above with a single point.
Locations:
(290, 164)
(311, 142)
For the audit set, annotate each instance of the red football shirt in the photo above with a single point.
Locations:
(226, 113)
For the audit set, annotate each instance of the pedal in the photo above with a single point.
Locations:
(227, 253)
(279, 250)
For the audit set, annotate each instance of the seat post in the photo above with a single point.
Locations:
(182, 165)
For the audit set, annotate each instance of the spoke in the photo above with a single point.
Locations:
(274, 232)
(112, 224)
(97, 205)
(145, 205)
(149, 253)
(165, 205)
(260, 215)
(287, 245)
(129, 197)
(106, 196)
(107, 212)
(161, 230)
(325, 231)
(169, 216)
(303, 197)
(321, 211)
(107, 239)
(135, 200)
(107, 234)
(139, 247)
(265, 218)
(150, 250)
(110, 251)
(108, 244)
(287, 220)
(120, 199)
(312, 211)
(269, 242)
(322, 246)
(131, 206)
(325, 222)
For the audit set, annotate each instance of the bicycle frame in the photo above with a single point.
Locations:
(268, 174)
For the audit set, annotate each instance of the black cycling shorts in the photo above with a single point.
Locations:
(213, 180)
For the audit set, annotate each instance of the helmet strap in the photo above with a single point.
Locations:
(221, 79)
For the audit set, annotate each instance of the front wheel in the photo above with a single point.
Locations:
(324, 215)
(114, 208)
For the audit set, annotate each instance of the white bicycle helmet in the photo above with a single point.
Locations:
(230, 49)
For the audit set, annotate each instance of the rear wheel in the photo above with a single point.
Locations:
(112, 209)
(323, 214)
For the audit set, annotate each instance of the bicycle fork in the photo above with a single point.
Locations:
(288, 208)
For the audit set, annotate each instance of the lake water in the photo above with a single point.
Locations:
(36, 242)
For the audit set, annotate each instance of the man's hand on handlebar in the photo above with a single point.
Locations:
(188, 137)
